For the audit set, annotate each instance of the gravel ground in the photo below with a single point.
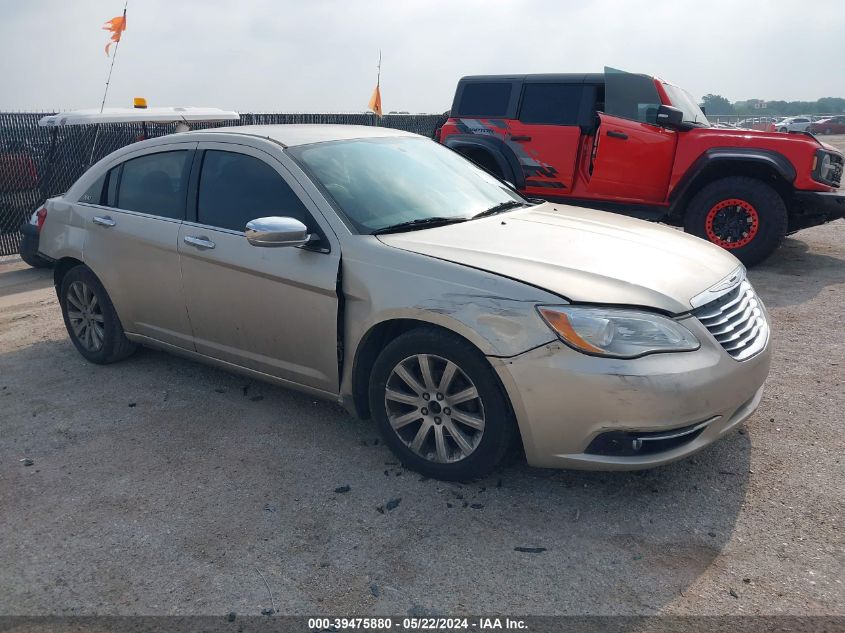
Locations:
(161, 486)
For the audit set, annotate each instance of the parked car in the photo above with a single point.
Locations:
(378, 269)
(147, 117)
(641, 146)
(794, 124)
(18, 182)
(829, 125)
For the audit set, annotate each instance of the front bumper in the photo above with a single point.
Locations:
(811, 208)
(564, 400)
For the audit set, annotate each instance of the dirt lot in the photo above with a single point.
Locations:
(160, 486)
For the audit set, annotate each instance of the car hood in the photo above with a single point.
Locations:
(581, 254)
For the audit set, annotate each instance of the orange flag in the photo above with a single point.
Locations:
(117, 26)
(375, 101)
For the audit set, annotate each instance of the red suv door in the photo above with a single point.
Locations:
(633, 156)
(546, 134)
(633, 160)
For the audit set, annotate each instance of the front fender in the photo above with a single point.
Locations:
(380, 283)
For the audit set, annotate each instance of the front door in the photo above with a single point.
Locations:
(273, 310)
(632, 161)
(632, 155)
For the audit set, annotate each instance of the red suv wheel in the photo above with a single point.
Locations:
(742, 215)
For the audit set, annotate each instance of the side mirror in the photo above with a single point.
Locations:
(671, 117)
(275, 231)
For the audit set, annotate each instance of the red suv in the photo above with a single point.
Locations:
(641, 146)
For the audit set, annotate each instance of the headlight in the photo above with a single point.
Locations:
(828, 168)
(617, 333)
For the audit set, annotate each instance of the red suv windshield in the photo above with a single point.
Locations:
(682, 100)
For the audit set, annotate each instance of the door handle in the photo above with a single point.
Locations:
(616, 134)
(520, 139)
(105, 221)
(199, 242)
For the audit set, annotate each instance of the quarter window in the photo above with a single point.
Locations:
(94, 194)
(485, 99)
(236, 188)
(155, 184)
(550, 104)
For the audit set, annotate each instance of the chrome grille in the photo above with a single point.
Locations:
(736, 321)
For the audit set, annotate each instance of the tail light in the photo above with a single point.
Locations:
(40, 216)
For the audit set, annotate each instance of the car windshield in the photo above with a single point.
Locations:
(682, 100)
(384, 182)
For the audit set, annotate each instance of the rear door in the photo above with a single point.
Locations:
(273, 310)
(546, 135)
(132, 216)
(633, 156)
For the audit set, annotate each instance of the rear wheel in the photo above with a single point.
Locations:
(90, 318)
(439, 406)
(742, 215)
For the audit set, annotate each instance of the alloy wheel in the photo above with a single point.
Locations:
(732, 223)
(434, 408)
(86, 316)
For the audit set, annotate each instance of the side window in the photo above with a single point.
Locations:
(485, 99)
(236, 188)
(551, 104)
(631, 96)
(155, 184)
(94, 194)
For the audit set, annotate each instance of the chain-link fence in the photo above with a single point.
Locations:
(39, 162)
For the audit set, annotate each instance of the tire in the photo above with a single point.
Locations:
(482, 448)
(107, 342)
(718, 211)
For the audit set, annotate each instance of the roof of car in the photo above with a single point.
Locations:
(541, 78)
(294, 134)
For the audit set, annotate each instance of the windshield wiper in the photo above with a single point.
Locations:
(419, 223)
(499, 208)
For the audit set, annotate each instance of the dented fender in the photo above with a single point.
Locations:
(494, 313)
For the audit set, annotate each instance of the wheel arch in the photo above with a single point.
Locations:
(501, 157)
(61, 268)
(374, 341)
(771, 168)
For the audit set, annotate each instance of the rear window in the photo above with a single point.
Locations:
(485, 99)
(551, 104)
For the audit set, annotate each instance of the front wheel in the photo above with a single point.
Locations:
(742, 215)
(439, 406)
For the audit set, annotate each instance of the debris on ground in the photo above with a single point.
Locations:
(733, 592)
(393, 503)
(26, 461)
(342, 489)
(530, 550)
(375, 590)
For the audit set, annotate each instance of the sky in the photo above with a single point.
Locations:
(321, 55)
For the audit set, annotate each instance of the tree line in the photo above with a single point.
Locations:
(717, 104)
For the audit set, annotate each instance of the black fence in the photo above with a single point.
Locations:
(39, 162)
